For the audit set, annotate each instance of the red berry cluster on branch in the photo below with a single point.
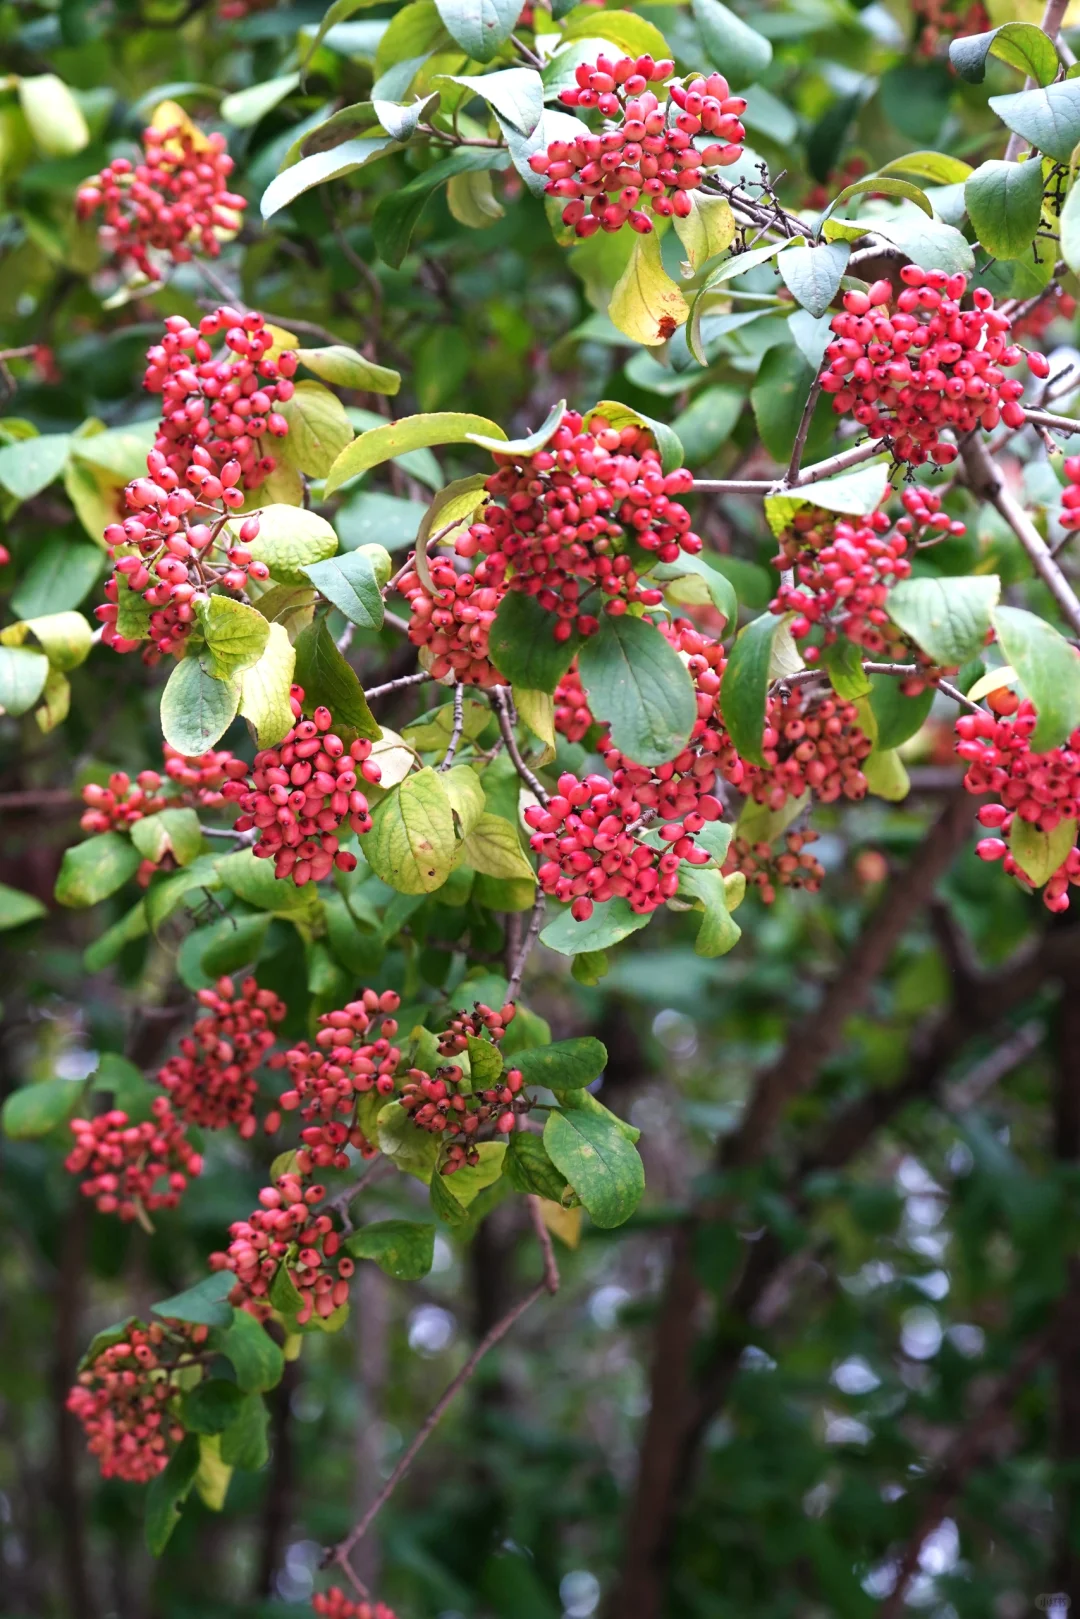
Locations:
(1054, 303)
(942, 22)
(448, 1105)
(117, 806)
(285, 1230)
(225, 405)
(212, 1082)
(125, 1163)
(1041, 788)
(454, 623)
(122, 1398)
(334, 1604)
(648, 160)
(768, 871)
(176, 201)
(572, 714)
(1070, 498)
(910, 368)
(302, 793)
(810, 745)
(558, 522)
(352, 1055)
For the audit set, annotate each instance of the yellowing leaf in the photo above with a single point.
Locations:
(55, 118)
(708, 228)
(562, 1223)
(494, 848)
(170, 115)
(646, 304)
(318, 429)
(264, 689)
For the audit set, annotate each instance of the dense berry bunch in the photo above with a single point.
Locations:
(334, 1604)
(454, 623)
(302, 793)
(1054, 303)
(285, 1230)
(212, 1081)
(176, 201)
(810, 745)
(1041, 788)
(449, 1105)
(353, 1053)
(122, 1399)
(572, 715)
(646, 160)
(911, 368)
(119, 805)
(202, 777)
(942, 21)
(224, 405)
(768, 871)
(125, 1164)
(1070, 499)
(558, 521)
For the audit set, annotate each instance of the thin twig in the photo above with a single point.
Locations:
(43, 799)
(1047, 418)
(458, 727)
(547, 1247)
(812, 474)
(501, 696)
(536, 922)
(804, 427)
(399, 684)
(229, 832)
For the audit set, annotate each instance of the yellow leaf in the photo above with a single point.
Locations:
(562, 1223)
(708, 229)
(212, 1479)
(646, 304)
(170, 115)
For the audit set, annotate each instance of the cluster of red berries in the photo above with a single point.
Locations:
(646, 161)
(176, 201)
(171, 549)
(907, 373)
(353, 1054)
(122, 1399)
(810, 745)
(1054, 303)
(768, 871)
(285, 1230)
(1042, 788)
(942, 21)
(212, 1082)
(448, 1105)
(454, 623)
(225, 405)
(844, 568)
(119, 805)
(124, 1163)
(560, 520)
(334, 1604)
(301, 793)
(1070, 499)
(572, 714)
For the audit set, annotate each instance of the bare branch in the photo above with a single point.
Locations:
(502, 700)
(399, 684)
(536, 922)
(459, 726)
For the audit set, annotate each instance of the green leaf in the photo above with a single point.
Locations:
(609, 924)
(265, 689)
(479, 26)
(350, 582)
(1020, 44)
(1004, 204)
(719, 932)
(618, 415)
(898, 717)
(493, 847)
(522, 446)
(463, 788)
(410, 433)
(165, 894)
(339, 12)
(65, 638)
(456, 504)
(244, 108)
(1048, 669)
(126, 1085)
(330, 681)
(235, 943)
(55, 118)
(692, 580)
(812, 274)
(485, 1063)
(843, 661)
(256, 1358)
(167, 1492)
(1038, 853)
(882, 185)
(212, 1479)
(16, 908)
(23, 674)
(536, 709)
(404, 1249)
(1048, 118)
(345, 368)
(210, 1406)
(937, 167)
(206, 1304)
(413, 1150)
(645, 301)
(290, 539)
(731, 45)
(568, 1065)
(196, 707)
(92, 870)
(886, 776)
(746, 685)
(319, 431)
(397, 213)
(515, 93)
(633, 34)
(522, 644)
(244, 1442)
(320, 167)
(132, 611)
(253, 881)
(411, 845)
(528, 1167)
(783, 384)
(60, 575)
(947, 618)
(235, 634)
(29, 465)
(637, 682)
(602, 1166)
(170, 831)
(36, 1110)
(466, 1184)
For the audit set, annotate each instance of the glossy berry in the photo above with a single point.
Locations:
(766, 870)
(212, 1081)
(455, 1108)
(285, 1231)
(353, 1054)
(130, 1168)
(454, 623)
(334, 1604)
(123, 1397)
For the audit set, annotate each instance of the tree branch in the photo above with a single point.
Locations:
(458, 727)
(502, 700)
(536, 922)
